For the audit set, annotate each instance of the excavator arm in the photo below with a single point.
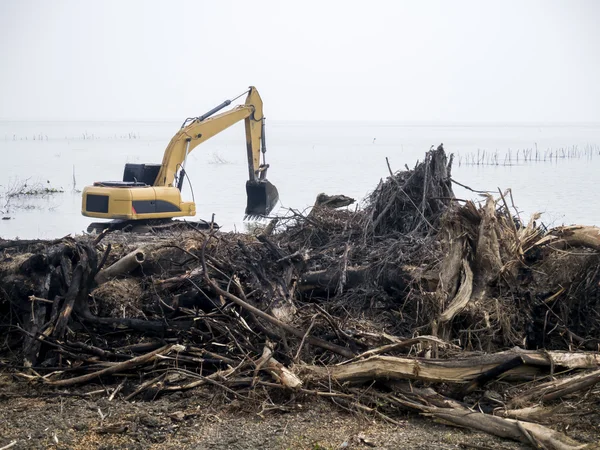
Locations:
(202, 128)
(261, 194)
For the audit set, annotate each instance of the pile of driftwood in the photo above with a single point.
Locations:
(415, 301)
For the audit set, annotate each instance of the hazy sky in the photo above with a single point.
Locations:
(460, 61)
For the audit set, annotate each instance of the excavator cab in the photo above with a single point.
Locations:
(262, 197)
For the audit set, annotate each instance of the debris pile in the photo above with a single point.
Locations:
(415, 301)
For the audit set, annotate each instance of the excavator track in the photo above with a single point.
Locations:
(149, 225)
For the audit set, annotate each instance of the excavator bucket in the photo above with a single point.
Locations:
(262, 198)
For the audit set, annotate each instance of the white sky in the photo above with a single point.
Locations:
(451, 61)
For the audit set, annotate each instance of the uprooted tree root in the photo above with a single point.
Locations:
(416, 301)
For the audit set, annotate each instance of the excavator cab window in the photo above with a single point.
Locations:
(141, 173)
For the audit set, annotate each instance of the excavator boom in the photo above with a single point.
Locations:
(151, 191)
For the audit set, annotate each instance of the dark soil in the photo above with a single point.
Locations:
(204, 419)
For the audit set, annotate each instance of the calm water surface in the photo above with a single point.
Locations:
(306, 159)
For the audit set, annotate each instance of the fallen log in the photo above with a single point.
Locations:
(329, 281)
(556, 389)
(450, 412)
(573, 236)
(534, 434)
(537, 413)
(125, 265)
(448, 371)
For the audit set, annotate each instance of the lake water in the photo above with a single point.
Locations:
(306, 158)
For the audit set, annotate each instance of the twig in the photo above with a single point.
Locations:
(120, 367)
(116, 390)
(469, 188)
(33, 298)
(211, 380)
(145, 385)
(101, 236)
(512, 201)
(103, 260)
(344, 273)
(312, 324)
(399, 345)
(219, 374)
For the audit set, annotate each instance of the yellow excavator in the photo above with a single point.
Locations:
(152, 192)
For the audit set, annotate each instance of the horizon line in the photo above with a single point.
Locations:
(332, 121)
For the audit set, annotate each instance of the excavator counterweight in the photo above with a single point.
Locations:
(151, 192)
